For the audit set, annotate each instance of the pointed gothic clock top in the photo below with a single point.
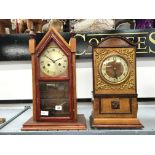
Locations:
(51, 34)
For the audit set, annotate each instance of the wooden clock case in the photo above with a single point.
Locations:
(72, 121)
(115, 105)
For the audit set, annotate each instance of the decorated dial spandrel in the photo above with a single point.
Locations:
(114, 69)
(53, 62)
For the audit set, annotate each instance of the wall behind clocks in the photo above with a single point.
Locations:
(16, 79)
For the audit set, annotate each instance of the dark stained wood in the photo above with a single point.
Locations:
(32, 125)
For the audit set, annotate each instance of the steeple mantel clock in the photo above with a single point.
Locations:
(54, 84)
(114, 84)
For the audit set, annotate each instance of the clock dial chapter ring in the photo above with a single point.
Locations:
(114, 69)
(53, 62)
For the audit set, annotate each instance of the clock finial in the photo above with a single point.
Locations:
(32, 33)
(72, 32)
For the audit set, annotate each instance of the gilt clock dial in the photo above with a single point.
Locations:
(114, 69)
(53, 62)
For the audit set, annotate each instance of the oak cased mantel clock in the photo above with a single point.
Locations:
(114, 84)
(54, 84)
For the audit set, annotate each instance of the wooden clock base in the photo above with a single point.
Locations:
(2, 120)
(124, 123)
(31, 125)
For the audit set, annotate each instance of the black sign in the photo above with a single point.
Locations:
(15, 46)
(143, 39)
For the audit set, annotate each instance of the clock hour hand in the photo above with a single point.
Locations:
(50, 58)
(57, 59)
(115, 74)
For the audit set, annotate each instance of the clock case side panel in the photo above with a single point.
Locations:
(32, 46)
(46, 40)
(72, 44)
(114, 44)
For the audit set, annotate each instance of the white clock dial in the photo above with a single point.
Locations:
(53, 62)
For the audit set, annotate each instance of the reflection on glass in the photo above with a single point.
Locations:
(54, 99)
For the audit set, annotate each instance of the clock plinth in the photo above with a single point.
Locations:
(32, 125)
(105, 119)
(125, 123)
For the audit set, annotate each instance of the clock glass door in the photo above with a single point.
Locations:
(54, 99)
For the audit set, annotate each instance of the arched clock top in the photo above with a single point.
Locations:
(115, 41)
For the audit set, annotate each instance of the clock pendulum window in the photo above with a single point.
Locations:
(114, 84)
(54, 84)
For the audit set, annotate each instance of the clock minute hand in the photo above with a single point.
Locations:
(50, 58)
(57, 59)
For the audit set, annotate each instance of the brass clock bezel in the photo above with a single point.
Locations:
(100, 68)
